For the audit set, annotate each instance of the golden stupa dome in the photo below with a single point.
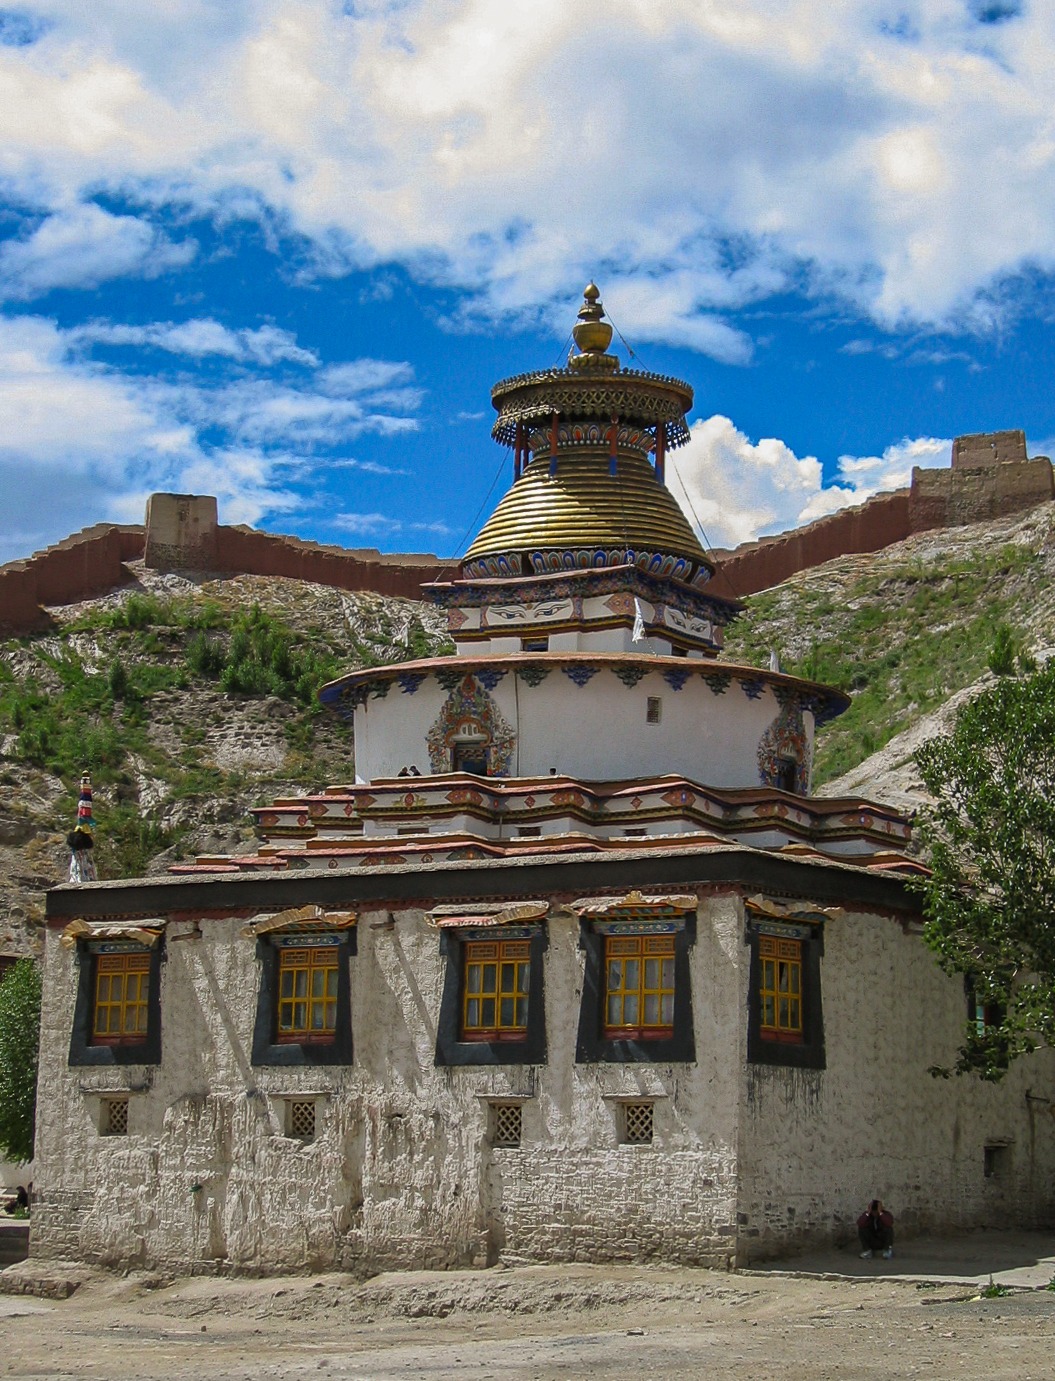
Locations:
(588, 495)
(583, 508)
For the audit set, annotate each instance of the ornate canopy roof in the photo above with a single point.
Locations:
(585, 435)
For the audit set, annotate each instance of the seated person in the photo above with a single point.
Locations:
(875, 1228)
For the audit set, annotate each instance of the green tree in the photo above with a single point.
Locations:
(19, 1040)
(990, 841)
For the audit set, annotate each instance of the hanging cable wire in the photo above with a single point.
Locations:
(563, 351)
(707, 544)
(626, 344)
(472, 526)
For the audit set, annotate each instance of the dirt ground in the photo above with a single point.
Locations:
(528, 1322)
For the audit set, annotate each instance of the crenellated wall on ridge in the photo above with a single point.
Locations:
(990, 478)
(82, 566)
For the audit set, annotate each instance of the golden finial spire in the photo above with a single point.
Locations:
(591, 333)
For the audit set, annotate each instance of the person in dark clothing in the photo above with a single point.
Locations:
(875, 1228)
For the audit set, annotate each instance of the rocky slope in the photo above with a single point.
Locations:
(177, 757)
(905, 631)
(161, 689)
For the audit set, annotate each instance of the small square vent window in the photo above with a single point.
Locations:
(114, 1120)
(653, 709)
(529, 831)
(637, 1124)
(300, 1118)
(534, 644)
(506, 1124)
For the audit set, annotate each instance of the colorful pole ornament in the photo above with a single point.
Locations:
(661, 451)
(613, 445)
(553, 434)
(518, 452)
(80, 841)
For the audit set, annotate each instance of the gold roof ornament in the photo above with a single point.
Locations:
(592, 334)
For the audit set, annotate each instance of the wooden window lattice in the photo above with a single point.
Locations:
(780, 988)
(307, 994)
(653, 709)
(506, 1124)
(637, 1120)
(302, 1118)
(639, 986)
(495, 996)
(115, 1117)
(122, 986)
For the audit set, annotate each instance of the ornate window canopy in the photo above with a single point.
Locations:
(307, 920)
(476, 916)
(146, 932)
(609, 915)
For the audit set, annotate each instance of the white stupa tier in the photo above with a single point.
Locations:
(586, 707)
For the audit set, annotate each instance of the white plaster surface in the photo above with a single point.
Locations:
(747, 1160)
(596, 732)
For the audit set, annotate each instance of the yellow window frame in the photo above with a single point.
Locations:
(780, 989)
(639, 987)
(496, 978)
(122, 993)
(307, 994)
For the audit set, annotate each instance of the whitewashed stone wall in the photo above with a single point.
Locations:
(401, 1173)
(817, 1145)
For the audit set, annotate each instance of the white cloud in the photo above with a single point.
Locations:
(724, 152)
(83, 246)
(738, 490)
(81, 441)
(382, 525)
(198, 338)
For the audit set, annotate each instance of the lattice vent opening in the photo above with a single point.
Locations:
(301, 1118)
(637, 1123)
(507, 1124)
(115, 1117)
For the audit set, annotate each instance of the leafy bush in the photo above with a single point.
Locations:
(1001, 659)
(117, 681)
(264, 658)
(19, 1041)
(205, 657)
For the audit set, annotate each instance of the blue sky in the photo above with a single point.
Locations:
(279, 250)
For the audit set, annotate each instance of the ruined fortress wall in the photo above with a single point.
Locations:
(88, 563)
(755, 566)
(182, 534)
(980, 487)
(953, 498)
(249, 552)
